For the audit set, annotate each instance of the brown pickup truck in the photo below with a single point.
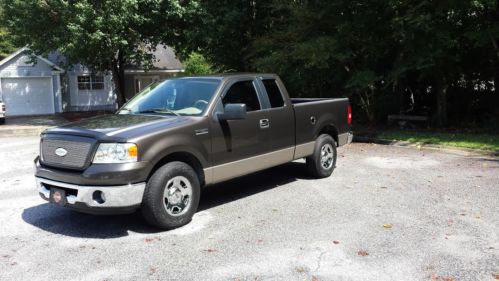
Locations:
(176, 136)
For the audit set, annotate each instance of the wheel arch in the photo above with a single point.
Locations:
(181, 156)
(329, 129)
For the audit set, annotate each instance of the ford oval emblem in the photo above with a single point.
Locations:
(61, 152)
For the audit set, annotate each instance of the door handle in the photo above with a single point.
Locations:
(264, 123)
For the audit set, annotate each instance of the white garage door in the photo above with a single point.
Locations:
(27, 96)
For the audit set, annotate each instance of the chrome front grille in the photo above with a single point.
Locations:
(77, 154)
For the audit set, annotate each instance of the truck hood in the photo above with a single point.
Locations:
(115, 127)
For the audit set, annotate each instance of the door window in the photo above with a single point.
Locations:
(275, 95)
(243, 92)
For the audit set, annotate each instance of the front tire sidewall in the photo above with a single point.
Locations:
(153, 202)
(314, 161)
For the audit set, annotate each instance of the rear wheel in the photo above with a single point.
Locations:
(171, 196)
(323, 161)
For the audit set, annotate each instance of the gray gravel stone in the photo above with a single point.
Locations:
(275, 225)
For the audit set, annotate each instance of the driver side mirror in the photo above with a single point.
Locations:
(233, 111)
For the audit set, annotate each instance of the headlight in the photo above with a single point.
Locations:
(116, 153)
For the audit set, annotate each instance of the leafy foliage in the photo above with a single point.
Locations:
(106, 35)
(437, 58)
(387, 56)
(223, 31)
(197, 64)
(6, 44)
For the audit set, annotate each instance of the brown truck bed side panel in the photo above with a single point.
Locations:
(324, 111)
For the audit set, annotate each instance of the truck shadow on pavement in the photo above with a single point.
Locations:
(65, 222)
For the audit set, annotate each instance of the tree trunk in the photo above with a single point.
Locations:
(441, 92)
(496, 92)
(119, 79)
(400, 95)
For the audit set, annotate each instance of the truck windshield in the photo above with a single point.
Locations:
(189, 96)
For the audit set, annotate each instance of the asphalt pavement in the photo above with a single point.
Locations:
(386, 213)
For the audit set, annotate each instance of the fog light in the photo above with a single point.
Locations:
(99, 197)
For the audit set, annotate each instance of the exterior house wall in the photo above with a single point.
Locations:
(85, 100)
(20, 66)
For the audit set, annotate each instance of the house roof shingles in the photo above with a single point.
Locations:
(164, 59)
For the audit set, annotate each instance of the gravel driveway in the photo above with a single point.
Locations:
(387, 213)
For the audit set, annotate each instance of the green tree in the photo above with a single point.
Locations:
(197, 64)
(105, 35)
(377, 51)
(328, 48)
(6, 44)
(222, 31)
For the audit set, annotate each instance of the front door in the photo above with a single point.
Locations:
(238, 145)
(143, 81)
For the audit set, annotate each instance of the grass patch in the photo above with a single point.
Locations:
(465, 140)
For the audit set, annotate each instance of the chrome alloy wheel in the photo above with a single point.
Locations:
(327, 156)
(177, 196)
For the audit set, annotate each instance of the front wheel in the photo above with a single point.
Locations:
(171, 197)
(323, 161)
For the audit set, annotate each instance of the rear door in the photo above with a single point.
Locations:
(281, 118)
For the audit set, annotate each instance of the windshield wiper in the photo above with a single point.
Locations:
(159, 110)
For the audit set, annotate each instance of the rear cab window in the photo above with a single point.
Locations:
(273, 92)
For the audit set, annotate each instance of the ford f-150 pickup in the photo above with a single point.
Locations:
(179, 135)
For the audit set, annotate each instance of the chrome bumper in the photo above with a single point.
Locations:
(345, 138)
(350, 137)
(115, 196)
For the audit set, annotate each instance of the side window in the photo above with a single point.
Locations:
(275, 95)
(90, 82)
(243, 92)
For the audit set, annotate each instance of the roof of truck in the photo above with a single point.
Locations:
(231, 75)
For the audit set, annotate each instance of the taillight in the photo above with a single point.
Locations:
(349, 114)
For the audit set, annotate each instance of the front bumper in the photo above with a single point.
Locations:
(88, 199)
(97, 174)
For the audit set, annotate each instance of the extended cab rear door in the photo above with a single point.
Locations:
(281, 117)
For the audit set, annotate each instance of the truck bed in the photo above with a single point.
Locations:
(323, 110)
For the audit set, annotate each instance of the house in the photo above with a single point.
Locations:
(41, 86)
(166, 65)
(83, 90)
(30, 89)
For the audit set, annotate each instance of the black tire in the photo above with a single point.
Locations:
(153, 203)
(314, 166)
(2, 120)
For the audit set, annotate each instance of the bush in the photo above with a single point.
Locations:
(197, 64)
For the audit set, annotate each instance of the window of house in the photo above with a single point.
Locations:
(91, 82)
(243, 92)
(275, 95)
